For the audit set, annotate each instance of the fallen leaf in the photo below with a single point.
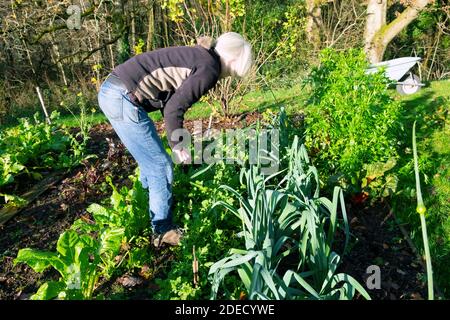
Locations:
(360, 197)
(416, 296)
(129, 281)
(25, 296)
(125, 246)
(401, 272)
(154, 287)
(395, 286)
(145, 272)
(17, 295)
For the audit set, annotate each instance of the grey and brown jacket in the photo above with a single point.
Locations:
(171, 80)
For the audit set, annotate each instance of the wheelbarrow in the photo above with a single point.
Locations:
(398, 70)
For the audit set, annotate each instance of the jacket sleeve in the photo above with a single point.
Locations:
(191, 90)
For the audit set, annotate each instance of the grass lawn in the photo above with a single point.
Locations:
(429, 107)
(258, 100)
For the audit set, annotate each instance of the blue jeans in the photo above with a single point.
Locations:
(137, 132)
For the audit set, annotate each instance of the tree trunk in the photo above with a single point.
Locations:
(151, 25)
(227, 20)
(133, 27)
(165, 23)
(57, 60)
(376, 19)
(123, 45)
(110, 48)
(314, 22)
(108, 30)
(378, 34)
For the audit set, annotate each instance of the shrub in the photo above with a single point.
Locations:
(352, 120)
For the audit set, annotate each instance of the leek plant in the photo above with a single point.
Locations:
(284, 217)
(421, 209)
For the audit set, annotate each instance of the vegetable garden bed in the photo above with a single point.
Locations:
(39, 225)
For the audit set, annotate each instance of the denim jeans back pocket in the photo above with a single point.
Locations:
(111, 103)
(131, 112)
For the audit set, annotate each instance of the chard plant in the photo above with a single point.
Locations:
(128, 209)
(72, 260)
(80, 259)
(88, 251)
(33, 146)
(76, 259)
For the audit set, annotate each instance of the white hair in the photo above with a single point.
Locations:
(231, 46)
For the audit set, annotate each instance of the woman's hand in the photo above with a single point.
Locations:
(182, 155)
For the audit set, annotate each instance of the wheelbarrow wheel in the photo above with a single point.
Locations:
(410, 85)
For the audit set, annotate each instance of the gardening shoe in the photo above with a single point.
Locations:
(171, 237)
